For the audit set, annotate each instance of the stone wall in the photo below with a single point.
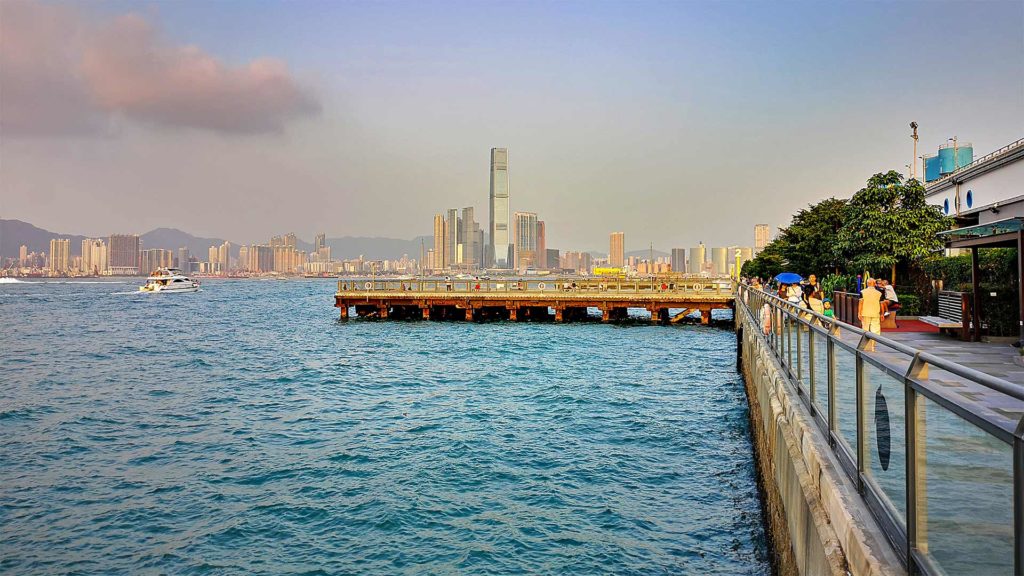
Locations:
(817, 521)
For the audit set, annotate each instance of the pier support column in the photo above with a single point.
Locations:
(469, 314)
(425, 310)
(382, 312)
(344, 312)
(656, 314)
(705, 317)
(512, 314)
(606, 315)
(559, 314)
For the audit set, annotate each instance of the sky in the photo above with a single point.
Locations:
(674, 122)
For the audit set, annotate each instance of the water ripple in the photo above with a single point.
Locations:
(244, 430)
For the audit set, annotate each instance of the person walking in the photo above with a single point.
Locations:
(869, 311)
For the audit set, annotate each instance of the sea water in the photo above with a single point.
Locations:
(244, 429)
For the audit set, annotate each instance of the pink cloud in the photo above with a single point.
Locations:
(61, 75)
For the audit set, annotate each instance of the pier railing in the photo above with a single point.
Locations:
(705, 286)
(940, 468)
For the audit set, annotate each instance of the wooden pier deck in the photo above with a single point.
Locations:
(533, 299)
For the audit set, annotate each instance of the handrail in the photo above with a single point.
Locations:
(787, 331)
(986, 380)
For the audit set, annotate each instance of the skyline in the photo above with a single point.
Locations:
(633, 118)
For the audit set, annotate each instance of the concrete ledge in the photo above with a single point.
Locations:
(818, 522)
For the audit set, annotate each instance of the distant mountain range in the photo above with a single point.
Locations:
(15, 233)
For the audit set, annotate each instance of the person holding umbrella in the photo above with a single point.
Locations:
(791, 281)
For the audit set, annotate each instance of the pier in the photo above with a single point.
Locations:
(668, 299)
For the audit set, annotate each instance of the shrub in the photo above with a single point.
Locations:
(910, 304)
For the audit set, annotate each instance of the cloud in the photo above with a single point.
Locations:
(60, 74)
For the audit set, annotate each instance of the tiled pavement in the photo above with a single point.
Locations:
(1000, 360)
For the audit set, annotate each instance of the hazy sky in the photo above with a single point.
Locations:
(671, 121)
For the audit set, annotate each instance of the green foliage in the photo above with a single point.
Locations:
(997, 269)
(768, 263)
(805, 246)
(807, 243)
(910, 305)
(888, 221)
(840, 282)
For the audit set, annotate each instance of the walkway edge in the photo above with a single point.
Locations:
(816, 518)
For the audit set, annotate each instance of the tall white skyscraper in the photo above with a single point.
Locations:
(498, 251)
(762, 236)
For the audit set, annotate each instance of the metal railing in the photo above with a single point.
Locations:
(940, 470)
(702, 286)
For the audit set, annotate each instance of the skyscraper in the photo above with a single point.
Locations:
(617, 250)
(60, 255)
(542, 246)
(437, 262)
(720, 259)
(468, 239)
(679, 260)
(498, 252)
(23, 255)
(762, 236)
(123, 254)
(525, 240)
(319, 242)
(697, 257)
(452, 238)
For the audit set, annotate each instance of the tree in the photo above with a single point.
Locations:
(768, 262)
(811, 237)
(888, 221)
(806, 246)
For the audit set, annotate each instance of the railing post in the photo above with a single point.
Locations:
(799, 349)
(862, 424)
(1018, 499)
(810, 367)
(833, 331)
(916, 462)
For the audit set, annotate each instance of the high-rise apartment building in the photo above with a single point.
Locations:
(60, 256)
(762, 236)
(150, 260)
(123, 254)
(94, 256)
(213, 257)
(617, 250)
(319, 242)
(679, 260)
(23, 255)
(525, 240)
(697, 257)
(499, 249)
(224, 256)
(184, 260)
(552, 259)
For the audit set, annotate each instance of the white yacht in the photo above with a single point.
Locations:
(169, 280)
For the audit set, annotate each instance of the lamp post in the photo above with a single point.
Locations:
(913, 170)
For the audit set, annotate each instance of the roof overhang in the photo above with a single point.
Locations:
(1001, 233)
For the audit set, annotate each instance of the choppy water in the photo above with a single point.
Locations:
(243, 429)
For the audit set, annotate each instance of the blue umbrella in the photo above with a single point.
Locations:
(789, 278)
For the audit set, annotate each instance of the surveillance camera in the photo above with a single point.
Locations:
(913, 124)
